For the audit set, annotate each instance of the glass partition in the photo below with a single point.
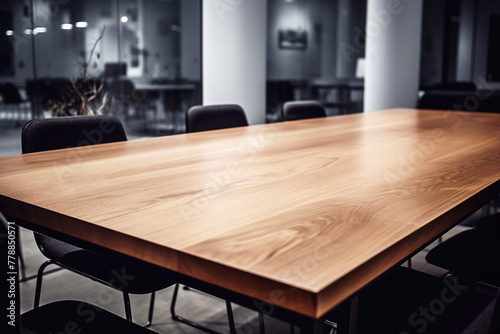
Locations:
(139, 60)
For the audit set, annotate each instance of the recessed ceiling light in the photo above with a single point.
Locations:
(9, 33)
(39, 30)
(81, 24)
(66, 26)
(124, 19)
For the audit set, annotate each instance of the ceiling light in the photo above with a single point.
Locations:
(124, 19)
(66, 26)
(39, 30)
(81, 24)
(28, 31)
(9, 33)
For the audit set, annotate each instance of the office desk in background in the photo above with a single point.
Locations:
(344, 95)
(301, 214)
(170, 100)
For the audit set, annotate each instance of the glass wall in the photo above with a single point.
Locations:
(460, 45)
(315, 51)
(139, 60)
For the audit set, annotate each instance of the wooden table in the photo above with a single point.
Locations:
(300, 214)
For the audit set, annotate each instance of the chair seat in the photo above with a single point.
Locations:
(53, 248)
(474, 253)
(130, 276)
(489, 220)
(71, 316)
(388, 305)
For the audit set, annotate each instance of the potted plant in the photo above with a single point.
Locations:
(85, 95)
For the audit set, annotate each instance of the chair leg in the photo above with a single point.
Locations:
(186, 321)
(38, 288)
(262, 326)
(151, 309)
(128, 311)
(230, 317)
(495, 321)
(174, 301)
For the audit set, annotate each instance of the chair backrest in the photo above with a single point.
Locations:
(294, 110)
(483, 101)
(11, 94)
(214, 117)
(60, 313)
(62, 132)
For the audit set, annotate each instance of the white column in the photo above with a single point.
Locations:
(393, 30)
(234, 55)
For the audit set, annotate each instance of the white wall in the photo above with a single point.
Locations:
(392, 54)
(318, 60)
(234, 55)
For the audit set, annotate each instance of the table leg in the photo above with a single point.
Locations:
(353, 316)
(348, 318)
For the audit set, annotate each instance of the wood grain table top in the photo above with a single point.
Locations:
(301, 214)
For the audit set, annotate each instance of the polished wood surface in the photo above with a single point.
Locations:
(301, 214)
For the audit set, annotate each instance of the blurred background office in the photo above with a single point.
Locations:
(147, 61)
(134, 59)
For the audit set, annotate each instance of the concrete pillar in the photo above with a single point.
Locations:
(234, 55)
(392, 66)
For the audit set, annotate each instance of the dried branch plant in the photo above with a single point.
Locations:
(85, 92)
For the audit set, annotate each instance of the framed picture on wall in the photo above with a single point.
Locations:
(292, 39)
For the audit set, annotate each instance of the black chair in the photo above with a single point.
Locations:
(61, 313)
(482, 101)
(474, 255)
(214, 117)
(295, 110)
(11, 94)
(392, 303)
(54, 133)
(12, 99)
(277, 93)
(63, 316)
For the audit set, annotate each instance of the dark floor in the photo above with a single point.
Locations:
(192, 304)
